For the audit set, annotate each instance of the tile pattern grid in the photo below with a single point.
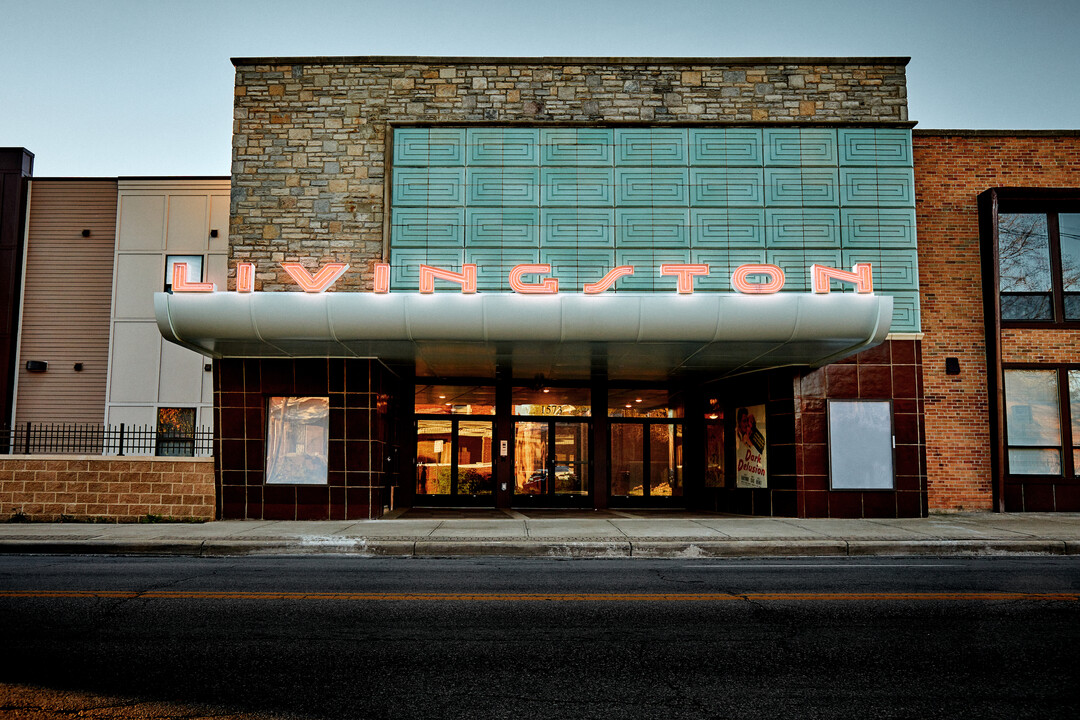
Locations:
(359, 412)
(587, 199)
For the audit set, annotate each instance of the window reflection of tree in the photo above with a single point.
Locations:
(1024, 265)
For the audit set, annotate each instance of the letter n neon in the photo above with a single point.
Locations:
(861, 274)
(466, 278)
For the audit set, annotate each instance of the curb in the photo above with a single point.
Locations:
(363, 547)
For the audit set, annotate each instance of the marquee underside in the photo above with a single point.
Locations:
(645, 336)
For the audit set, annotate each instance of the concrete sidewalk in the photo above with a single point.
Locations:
(563, 534)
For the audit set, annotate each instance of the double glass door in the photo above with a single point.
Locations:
(646, 459)
(455, 461)
(551, 462)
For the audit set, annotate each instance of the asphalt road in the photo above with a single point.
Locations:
(493, 638)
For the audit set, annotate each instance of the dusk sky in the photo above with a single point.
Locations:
(144, 87)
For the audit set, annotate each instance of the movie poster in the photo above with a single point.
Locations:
(750, 471)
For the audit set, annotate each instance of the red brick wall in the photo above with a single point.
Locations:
(951, 169)
(1025, 345)
(46, 487)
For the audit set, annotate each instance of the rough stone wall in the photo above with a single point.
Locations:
(51, 488)
(310, 137)
(951, 169)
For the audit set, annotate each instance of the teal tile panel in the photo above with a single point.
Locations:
(893, 269)
(429, 187)
(728, 147)
(877, 228)
(650, 147)
(503, 147)
(577, 227)
(649, 187)
(905, 311)
(405, 268)
(577, 187)
(726, 187)
(574, 268)
(647, 268)
(502, 227)
(796, 265)
(795, 147)
(877, 187)
(429, 146)
(577, 147)
(727, 227)
(427, 227)
(503, 187)
(722, 264)
(801, 187)
(802, 227)
(875, 147)
(493, 266)
(652, 227)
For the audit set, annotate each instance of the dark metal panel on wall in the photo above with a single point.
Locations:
(16, 167)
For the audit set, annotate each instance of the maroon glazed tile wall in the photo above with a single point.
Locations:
(357, 446)
(890, 371)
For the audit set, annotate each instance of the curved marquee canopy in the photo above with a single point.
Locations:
(633, 336)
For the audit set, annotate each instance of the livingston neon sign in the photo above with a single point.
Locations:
(821, 278)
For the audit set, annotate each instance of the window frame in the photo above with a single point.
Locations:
(1068, 442)
(1052, 204)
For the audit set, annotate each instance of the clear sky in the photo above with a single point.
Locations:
(144, 87)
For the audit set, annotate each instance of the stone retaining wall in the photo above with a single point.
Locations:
(79, 487)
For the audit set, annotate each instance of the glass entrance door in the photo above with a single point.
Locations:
(454, 461)
(646, 460)
(551, 463)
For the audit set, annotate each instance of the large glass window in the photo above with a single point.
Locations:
(1033, 422)
(455, 400)
(860, 445)
(552, 401)
(1039, 266)
(297, 433)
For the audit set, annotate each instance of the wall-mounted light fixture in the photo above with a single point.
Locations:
(213, 233)
(36, 366)
(78, 367)
(207, 367)
(952, 366)
(86, 233)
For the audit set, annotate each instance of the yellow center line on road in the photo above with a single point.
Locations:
(538, 597)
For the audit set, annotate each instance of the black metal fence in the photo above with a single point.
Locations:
(93, 439)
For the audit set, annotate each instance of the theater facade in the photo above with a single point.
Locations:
(590, 283)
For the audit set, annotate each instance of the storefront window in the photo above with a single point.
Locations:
(644, 404)
(552, 402)
(297, 430)
(1033, 422)
(455, 400)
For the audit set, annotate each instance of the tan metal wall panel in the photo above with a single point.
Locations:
(67, 300)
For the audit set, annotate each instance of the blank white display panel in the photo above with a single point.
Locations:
(860, 445)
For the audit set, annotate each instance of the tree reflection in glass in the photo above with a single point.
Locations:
(1069, 235)
(1024, 266)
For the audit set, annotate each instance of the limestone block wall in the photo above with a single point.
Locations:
(311, 135)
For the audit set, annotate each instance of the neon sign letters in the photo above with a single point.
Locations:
(821, 278)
